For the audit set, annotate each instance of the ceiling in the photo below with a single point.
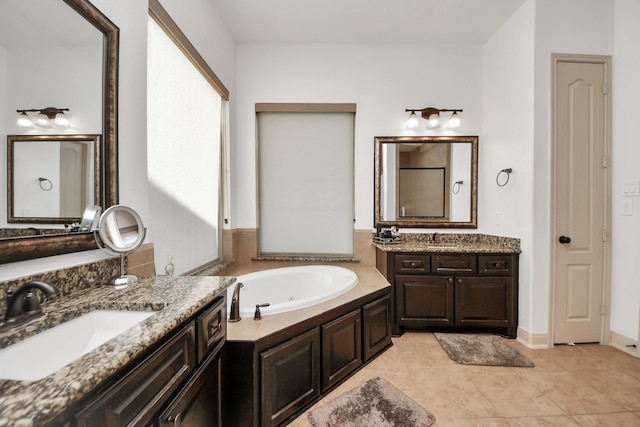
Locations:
(365, 21)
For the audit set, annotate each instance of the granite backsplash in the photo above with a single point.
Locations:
(67, 280)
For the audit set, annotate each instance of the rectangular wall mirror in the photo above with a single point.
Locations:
(52, 178)
(426, 181)
(38, 40)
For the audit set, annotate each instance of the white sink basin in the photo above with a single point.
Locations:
(43, 354)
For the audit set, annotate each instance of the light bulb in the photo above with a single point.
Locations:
(61, 120)
(434, 121)
(412, 121)
(454, 121)
(42, 121)
(24, 120)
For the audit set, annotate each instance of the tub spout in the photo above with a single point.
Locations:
(235, 304)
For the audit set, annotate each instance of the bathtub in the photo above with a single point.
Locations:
(291, 288)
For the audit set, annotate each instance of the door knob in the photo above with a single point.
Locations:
(564, 240)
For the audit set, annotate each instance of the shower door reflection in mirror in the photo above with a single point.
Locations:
(426, 181)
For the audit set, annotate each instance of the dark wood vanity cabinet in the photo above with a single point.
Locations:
(452, 291)
(270, 381)
(177, 384)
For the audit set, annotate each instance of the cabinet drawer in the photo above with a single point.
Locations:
(212, 328)
(495, 264)
(409, 263)
(133, 400)
(453, 263)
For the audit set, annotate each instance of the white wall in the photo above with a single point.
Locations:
(569, 26)
(625, 298)
(507, 142)
(524, 46)
(382, 80)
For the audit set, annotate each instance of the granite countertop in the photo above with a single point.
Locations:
(24, 403)
(452, 243)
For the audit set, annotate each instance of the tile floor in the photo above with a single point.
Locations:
(583, 385)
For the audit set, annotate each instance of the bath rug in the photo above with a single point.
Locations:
(481, 349)
(376, 403)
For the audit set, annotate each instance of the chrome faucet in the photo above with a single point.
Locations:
(23, 305)
(235, 304)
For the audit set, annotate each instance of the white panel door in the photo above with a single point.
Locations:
(580, 200)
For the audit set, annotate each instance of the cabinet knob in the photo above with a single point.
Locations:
(175, 419)
(412, 264)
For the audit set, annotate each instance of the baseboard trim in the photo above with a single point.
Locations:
(534, 341)
(621, 342)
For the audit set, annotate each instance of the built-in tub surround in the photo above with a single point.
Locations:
(452, 242)
(280, 288)
(286, 348)
(369, 281)
(174, 299)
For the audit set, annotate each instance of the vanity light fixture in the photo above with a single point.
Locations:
(432, 115)
(44, 117)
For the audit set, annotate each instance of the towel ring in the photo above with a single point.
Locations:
(456, 187)
(505, 171)
(45, 184)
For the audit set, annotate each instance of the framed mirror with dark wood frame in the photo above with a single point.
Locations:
(106, 153)
(426, 181)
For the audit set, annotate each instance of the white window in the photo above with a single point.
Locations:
(306, 179)
(184, 144)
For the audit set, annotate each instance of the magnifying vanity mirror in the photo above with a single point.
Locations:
(426, 181)
(120, 231)
(43, 44)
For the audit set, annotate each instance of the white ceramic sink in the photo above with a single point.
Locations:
(43, 354)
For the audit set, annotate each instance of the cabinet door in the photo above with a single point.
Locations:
(341, 348)
(424, 301)
(134, 400)
(376, 322)
(290, 377)
(484, 301)
(199, 401)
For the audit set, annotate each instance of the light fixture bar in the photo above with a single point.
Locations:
(432, 115)
(427, 112)
(44, 117)
(50, 112)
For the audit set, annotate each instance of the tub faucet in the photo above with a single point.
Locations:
(235, 304)
(257, 315)
(23, 304)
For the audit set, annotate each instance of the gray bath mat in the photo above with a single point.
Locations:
(376, 403)
(481, 349)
